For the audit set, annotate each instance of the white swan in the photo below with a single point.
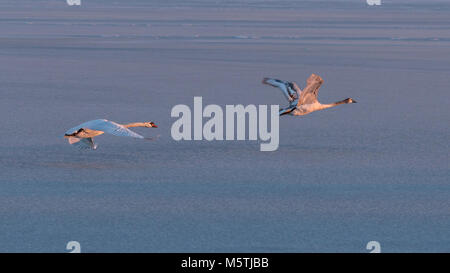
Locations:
(82, 135)
(303, 102)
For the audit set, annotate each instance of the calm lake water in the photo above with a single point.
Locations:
(376, 170)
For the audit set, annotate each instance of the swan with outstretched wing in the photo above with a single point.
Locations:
(82, 136)
(302, 102)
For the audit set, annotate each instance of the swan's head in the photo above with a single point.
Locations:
(350, 100)
(150, 124)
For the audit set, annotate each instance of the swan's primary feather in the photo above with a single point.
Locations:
(283, 85)
(106, 126)
(286, 87)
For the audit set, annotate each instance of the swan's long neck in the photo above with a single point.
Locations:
(136, 124)
(325, 106)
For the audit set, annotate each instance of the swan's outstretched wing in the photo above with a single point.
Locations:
(106, 126)
(287, 88)
(83, 143)
(310, 92)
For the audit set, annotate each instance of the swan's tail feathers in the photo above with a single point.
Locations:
(286, 87)
(82, 143)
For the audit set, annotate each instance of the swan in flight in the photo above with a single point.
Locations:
(303, 102)
(82, 136)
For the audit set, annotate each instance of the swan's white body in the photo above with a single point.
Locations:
(82, 135)
(303, 102)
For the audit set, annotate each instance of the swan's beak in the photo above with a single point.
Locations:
(155, 126)
(354, 101)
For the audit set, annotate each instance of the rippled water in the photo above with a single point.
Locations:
(376, 170)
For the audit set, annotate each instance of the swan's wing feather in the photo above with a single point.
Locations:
(289, 89)
(87, 124)
(106, 126)
(283, 85)
(83, 143)
(310, 92)
(307, 98)
(113, 128)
